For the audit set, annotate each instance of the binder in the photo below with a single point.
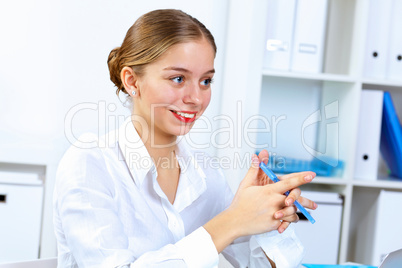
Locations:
(375, 237)
(393, 259)
(310, 25)
(279, 34)
(368, 137)
(391, 137)
(321, 239)
(394, 59)
(375, 56)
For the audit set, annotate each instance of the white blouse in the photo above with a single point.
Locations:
(109, 210)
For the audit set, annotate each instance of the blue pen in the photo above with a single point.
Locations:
(274, 178)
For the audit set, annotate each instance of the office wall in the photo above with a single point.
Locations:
(53, 75)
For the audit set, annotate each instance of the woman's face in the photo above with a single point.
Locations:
(175, 90)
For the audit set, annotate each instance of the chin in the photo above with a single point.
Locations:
(182, 130)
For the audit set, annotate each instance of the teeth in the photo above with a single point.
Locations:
(185, 114)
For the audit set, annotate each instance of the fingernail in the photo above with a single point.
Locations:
(289, 201)
(278, 215)
(280, 230)
(308, 178)
(315, 205)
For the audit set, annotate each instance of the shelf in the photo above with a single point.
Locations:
(382, 183)
(326, 180)
(310, 76)
(330, 180)
(378, 82)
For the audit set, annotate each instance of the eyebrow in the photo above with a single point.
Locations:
(179, 69)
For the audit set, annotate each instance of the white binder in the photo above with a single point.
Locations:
(394, 59)
(309, 39)
(368, 138)
(279, 34)
(383, 238)
(375, 57)
(321, 239)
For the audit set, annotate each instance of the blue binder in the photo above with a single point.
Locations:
(391, 137)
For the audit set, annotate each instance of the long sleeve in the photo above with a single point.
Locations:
(96, 239)
(91, 229)
(194, 250)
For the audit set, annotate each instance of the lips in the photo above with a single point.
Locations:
(184, 116)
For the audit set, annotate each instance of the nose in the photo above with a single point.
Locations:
(192, 94)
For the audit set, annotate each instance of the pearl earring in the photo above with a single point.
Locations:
(133, 92)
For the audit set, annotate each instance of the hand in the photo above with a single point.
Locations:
(261, 179)
(288, 213)
(256, 201)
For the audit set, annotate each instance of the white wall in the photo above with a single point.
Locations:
(53, 59)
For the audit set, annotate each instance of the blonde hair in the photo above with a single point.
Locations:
(150, 36)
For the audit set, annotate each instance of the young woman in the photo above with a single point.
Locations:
(145, 200)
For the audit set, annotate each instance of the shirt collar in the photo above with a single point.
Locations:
(134, 152)
(192, 181)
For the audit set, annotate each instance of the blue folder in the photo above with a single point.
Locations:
(324, 167)
(391, 137)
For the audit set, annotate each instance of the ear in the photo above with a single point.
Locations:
(130, 81)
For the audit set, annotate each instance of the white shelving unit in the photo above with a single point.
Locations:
(300, 94)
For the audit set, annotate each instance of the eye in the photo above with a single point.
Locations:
(206, 82)
(177, 79)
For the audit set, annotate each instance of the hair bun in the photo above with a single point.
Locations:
(113, 53)
(114, 68)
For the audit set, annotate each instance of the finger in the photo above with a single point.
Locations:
(293, 195)
(251, 177)
(286, 213)
(293, 182)
(287, 221)
(307, 203)
(291, 175)
(284, 225)
(263, 156)
(263, 179)
(292, 219)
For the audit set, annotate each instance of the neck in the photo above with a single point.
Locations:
(159, 146)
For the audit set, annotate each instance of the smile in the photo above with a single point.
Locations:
(186, 117)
